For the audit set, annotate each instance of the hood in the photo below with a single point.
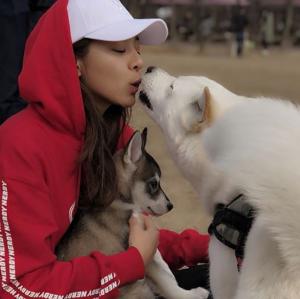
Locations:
(48, 80)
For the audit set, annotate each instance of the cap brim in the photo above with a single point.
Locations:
(149, 31)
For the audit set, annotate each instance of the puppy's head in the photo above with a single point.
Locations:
(139, 177)
(180, 105)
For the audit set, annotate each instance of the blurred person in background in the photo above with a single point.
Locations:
(17, 18)
(239, 24)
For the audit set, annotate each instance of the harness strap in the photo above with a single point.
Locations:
(232, 223)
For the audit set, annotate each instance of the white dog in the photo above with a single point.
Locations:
(227, 145)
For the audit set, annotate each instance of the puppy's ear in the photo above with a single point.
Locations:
(201, 114)
(144, 138)
(133, 151)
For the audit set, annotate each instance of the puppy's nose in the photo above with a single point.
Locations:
(150, 69)
(170, 206)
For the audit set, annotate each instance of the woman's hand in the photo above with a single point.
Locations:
(143, 235)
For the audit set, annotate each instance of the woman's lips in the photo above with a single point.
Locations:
(134, 87)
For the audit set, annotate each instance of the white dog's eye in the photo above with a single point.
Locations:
(169, 90)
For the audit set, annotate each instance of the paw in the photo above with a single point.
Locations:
(198, 293)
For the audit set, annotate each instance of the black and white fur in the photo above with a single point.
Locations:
(107, 229)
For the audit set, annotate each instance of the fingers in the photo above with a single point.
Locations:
(143, 235)
(134, 224)
(151, 227)
(143, 221)
(132, 220)
(149, 223)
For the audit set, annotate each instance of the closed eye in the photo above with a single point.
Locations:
(119, 51)
(122, 51)
(169, 90)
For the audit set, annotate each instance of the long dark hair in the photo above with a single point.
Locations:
(98, 181)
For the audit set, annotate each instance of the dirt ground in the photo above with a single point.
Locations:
(276, 75)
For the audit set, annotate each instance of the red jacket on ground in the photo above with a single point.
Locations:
(40, 175)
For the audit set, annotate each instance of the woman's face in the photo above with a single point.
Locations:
(112, 71)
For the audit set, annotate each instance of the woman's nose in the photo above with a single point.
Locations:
(138, 62)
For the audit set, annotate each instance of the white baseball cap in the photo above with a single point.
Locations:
(109, 20)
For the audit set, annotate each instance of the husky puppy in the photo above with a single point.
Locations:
(107, 229)
(226, 145)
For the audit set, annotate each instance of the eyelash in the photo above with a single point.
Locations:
(119, 51)
(123, 51)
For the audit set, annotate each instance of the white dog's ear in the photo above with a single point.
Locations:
(134, 152)
(206, 106)
(200, 114)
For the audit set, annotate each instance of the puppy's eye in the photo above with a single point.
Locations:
(153, 186)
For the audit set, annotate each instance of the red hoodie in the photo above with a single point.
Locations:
(40, 174)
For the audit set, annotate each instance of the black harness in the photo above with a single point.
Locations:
(232, 223)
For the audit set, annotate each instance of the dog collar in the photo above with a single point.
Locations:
(232, 223)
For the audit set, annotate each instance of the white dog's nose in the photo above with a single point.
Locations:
(150, 69)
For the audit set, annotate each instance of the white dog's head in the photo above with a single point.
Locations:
(184, 108)
(180, 105)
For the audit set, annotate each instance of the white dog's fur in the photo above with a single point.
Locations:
(226, 144)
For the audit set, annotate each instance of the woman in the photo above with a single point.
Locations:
(61, 147)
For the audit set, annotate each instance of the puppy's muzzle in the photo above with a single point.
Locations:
(145, 100)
